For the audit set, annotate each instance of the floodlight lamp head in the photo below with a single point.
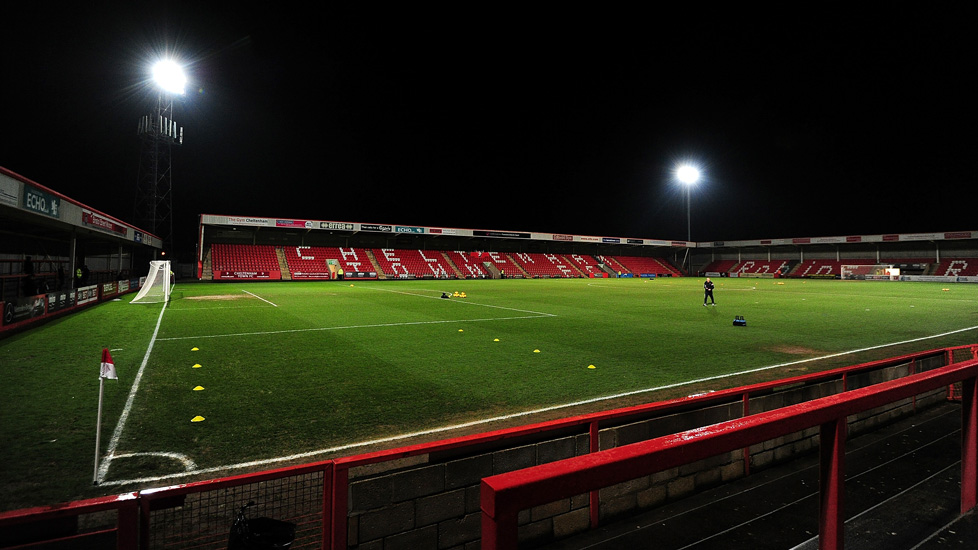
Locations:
(169, 76)
(688, 174)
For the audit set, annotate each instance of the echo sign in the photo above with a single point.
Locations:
(40, 202)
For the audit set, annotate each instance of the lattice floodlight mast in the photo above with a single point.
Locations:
(158, 133)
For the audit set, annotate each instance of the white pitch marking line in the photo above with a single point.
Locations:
(424, 433)
(259, 297)
(464, 302)
(114, 441)
(188, 464)
(347, 327)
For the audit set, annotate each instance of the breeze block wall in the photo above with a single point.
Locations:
(432, 501)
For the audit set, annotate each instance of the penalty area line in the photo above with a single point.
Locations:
(511, 416)
(260, 298)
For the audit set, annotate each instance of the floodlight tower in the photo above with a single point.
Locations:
(688, 175)
(158, 133)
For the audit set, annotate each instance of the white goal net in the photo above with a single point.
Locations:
(870, 272)
(158, 284)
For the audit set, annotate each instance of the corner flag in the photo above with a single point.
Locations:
(108, 367)
(108, 371)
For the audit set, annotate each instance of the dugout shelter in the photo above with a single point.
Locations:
(58, 254)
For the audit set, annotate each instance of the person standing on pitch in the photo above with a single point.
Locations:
(708, 292)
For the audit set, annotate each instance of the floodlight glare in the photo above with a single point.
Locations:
(169, 76)
(688, 174)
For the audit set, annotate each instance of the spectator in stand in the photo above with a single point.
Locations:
(708, 292)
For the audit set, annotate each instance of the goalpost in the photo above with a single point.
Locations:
(870, 272)
(157, 286)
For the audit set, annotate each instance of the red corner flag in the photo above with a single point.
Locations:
(108, 368)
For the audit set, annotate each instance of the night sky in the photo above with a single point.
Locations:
(506, 117)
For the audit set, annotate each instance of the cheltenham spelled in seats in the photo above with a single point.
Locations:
(312, 262)
(545, 265)
(398, 263)
(467, 264)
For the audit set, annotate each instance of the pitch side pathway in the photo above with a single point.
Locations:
(902, 492)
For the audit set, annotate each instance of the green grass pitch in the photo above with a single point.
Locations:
(310, 370)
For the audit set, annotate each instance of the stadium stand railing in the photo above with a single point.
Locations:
(454, 491)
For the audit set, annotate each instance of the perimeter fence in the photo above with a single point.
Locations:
(433, 495)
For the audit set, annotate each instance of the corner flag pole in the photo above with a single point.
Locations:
(98, 427)
(107, 371)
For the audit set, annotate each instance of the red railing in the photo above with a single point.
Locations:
(205, 509)
(504, 495)
(300, 494)
(52, 520)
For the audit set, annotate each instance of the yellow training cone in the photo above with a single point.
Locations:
(197, 419)
(199, 388)
(591, 367)
(536, 351)
(194, 349)
(460, 330)
(197, 366)
(495, 339)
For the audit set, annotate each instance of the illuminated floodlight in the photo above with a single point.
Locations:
(169, 76)
(688, 174)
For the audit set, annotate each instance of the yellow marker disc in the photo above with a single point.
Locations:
(460, 330)
(536, 351)
(198, 388)
(197, 366)
(591, 367)
(194, 349)
(496, 340)
(197, 419)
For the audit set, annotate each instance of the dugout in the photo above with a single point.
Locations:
(57, 253)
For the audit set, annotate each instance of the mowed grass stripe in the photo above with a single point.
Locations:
(300, 390)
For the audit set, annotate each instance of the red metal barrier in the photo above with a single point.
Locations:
(159, 507)
(43, 519)
(504, 495)
(299, 494)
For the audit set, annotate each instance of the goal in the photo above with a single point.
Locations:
(157, 286)
(870, 272)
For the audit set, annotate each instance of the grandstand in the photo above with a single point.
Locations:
(466, 265)
(546, 265)
(449, 492)
(401, 263)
